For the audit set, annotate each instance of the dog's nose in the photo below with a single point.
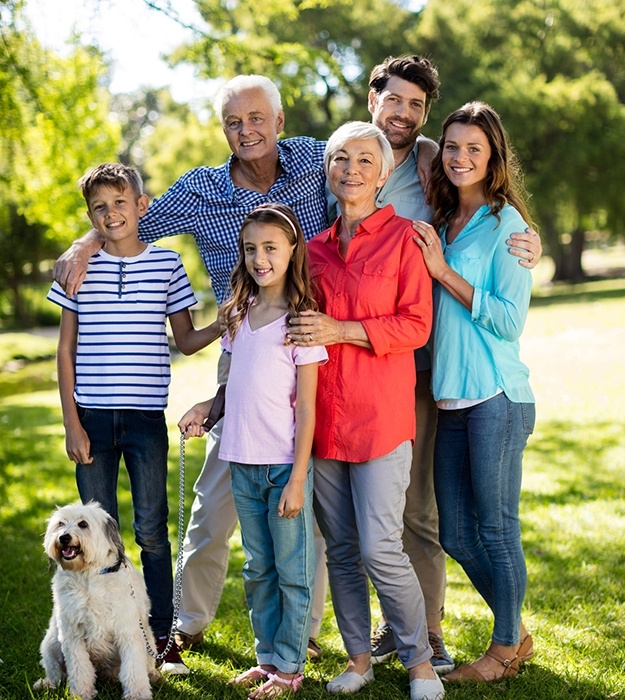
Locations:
(65, 539)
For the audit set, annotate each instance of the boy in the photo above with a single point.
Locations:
(114, 371)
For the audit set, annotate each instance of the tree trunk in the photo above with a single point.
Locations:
(568, 258)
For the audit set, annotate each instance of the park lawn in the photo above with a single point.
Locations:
(573, 514)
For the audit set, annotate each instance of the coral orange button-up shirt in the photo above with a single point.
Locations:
(365, 397)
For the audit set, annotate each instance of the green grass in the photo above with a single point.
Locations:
(573, 514)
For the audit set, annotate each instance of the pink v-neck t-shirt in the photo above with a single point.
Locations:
(259, 422)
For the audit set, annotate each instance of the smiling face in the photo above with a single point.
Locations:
(465, 155)
(251, 125)
(354, 172)
(267, 254)
(400, 111)
(115, 215)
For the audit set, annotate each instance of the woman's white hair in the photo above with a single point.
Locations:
(352, 131)
(247, 82)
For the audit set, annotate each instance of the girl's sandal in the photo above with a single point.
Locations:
(276, 686)
(250, 678)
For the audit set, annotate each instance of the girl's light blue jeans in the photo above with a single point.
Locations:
(477, 476)
(279, 570)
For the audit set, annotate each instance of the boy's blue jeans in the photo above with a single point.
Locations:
(279, 569)
(141, 438)
(477, 478)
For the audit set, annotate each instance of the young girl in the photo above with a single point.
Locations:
(267, 438)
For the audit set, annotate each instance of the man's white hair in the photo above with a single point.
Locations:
(353, 131)
(247, 82)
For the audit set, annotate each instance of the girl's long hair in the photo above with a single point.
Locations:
(298, 286)
(504, 179)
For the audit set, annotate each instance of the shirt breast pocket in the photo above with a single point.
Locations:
(377, 287)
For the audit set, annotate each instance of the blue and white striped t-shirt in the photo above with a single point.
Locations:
(122, 358)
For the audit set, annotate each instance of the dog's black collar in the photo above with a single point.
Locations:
(113, 569)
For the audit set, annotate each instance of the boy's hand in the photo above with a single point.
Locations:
(77, 445)
(291, 501)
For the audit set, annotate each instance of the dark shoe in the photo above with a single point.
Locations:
(441, 661)
(315, 652)
(171, 664)
(382, 644)
(185, 641)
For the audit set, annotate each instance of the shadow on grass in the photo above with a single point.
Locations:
(575, 460)
(589, 291)
(575, 577)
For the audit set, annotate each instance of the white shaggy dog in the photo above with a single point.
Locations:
(100, 605)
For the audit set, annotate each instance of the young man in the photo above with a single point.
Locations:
(401, 94)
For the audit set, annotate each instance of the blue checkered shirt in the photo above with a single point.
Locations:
(205, 204)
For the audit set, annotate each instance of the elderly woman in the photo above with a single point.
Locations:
(375, 302)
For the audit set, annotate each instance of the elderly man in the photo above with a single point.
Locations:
(210, 204)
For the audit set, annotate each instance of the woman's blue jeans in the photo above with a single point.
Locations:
(477, 476)
(279, 570)
(141, 438)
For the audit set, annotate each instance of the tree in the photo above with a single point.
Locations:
(318, 52)
(549, 69)
(55, 120)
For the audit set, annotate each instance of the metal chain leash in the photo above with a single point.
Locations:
(178, 577)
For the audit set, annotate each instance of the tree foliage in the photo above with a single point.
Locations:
(554, 70)
(318, 52)
(55, 121)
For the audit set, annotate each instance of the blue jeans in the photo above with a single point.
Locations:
(279, 569)
(141, 438)
(477, 477)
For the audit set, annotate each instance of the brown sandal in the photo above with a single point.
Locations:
(468, 672)
(526, 649)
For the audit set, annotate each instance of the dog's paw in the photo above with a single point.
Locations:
(155, 676)
(43, 684)
(86, 694)
(138, 696)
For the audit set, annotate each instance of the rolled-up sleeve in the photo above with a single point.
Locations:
(409, 327)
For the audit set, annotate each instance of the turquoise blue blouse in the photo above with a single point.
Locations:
(476, 353)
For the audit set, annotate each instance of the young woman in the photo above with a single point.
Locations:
(486, 407)
(267, 438)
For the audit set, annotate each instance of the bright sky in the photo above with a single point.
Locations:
(133, 36)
